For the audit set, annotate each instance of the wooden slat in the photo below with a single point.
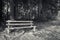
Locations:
(18, 24)
(18, 21)
(21, 27)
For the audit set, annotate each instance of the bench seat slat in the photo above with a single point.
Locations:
(21, 27)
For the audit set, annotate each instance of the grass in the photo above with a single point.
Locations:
(47, 32)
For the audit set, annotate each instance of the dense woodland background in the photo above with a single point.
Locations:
(38, 10)
(30, 9)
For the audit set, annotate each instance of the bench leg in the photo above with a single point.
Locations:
(8, 30)
(34, 28)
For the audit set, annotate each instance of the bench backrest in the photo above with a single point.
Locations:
(19, 23)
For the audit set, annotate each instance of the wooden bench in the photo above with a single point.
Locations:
(21, 24)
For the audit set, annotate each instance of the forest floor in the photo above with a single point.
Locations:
(44, 31)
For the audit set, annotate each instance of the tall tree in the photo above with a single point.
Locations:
(2, 17)
(49, 9)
